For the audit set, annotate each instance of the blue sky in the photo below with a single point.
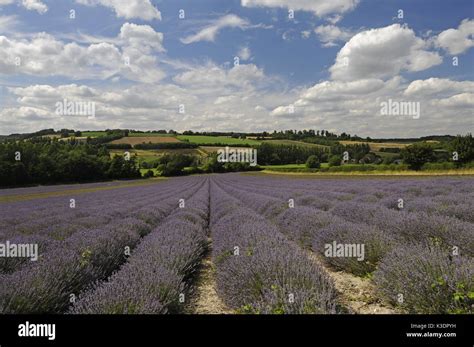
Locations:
(289, 74)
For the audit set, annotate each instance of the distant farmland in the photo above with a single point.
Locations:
(293, 142)
(209, 140)
(375, 146)
(135, 140)
(150, 134)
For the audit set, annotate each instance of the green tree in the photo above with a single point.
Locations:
(148, 174)
(335, 160)
(464, 147)
(173, 165)
(417, 155)
(213, 165)
(313, 162)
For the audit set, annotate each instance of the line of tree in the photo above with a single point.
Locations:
(276, 154)
(460, 151)
(46, 161)
(110, 135)
(123, 146)
(181, 164)
(356, 152)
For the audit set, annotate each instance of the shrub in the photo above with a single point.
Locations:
(313, 162)
(376, 244)
(335, 160)
(464, 146)
(417, 154)
(426, 279)
(149, 174)
(118, 146)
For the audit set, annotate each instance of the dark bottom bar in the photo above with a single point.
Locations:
(310, 330)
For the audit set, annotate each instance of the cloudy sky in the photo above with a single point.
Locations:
(238, 65)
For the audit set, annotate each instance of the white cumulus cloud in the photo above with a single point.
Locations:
(456, 41)
(131, 55)
(31, 5)
(330, 35)
(128, 9)
(383, 53)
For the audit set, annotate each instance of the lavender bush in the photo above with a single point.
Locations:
(422, 279)
(159, 270)
(258, 270)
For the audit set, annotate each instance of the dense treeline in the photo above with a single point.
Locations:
(51, 161)
(182, 164)
(118, 146)
(111, 135)
(356, 152)
(276, 154)
(459, 151)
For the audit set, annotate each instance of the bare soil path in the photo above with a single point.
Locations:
(204, 299)
(356, 293)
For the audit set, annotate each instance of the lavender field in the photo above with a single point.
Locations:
(248, 244)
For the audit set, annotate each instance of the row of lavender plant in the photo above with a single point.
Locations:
(36, 216)
(398, 225)
(314, 229)
(92, 216)
(61, 187)
(448, 197)
(386, 234)
(157, 276)
(258, 269)
(53, 282)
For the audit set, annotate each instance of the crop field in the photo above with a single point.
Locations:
(246, 244)
(135, 140)
(93, 133)
(207, 140)
(297, 143)
(376, 146)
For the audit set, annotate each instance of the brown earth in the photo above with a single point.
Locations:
(204, 299)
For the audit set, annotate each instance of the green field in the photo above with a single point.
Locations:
(206, 140)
